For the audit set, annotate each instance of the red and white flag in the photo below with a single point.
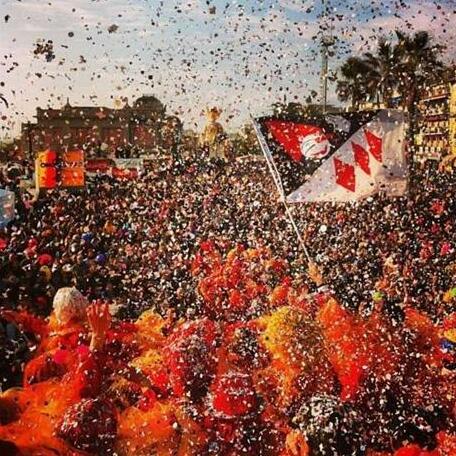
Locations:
(340, 157)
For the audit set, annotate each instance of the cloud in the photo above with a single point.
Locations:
(435, 18)
(244, 57)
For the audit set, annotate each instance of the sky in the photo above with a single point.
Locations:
(240, 55)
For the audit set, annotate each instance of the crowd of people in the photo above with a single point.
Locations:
(209, 331)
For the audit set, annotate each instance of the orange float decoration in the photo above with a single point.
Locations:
(45, 170)
(190, 357)
(357, 347)
(233, 395)
(415, 450)
(160, 386)
(72, 174)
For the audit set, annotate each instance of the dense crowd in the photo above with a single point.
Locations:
(222, 342)
(152, 228)
(130, 241)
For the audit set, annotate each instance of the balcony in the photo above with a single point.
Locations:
(435, 93)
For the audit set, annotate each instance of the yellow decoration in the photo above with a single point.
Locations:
(149, 362)
(213, 136)
(294, 343)
(150, 329)
(450, 335)
(146, 432)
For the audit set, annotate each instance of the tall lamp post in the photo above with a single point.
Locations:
(29, 140)
(327, 40)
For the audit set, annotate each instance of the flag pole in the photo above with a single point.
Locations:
(278, 182)
(293, 223)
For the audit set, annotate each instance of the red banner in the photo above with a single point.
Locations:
(99, 165)
(108, 166)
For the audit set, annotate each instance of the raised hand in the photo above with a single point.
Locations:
(99, 320)
(296, 444)
(314, 272)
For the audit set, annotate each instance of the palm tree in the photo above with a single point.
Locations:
(419, 65)
(353, 85)
(381, 79)
(405, 67)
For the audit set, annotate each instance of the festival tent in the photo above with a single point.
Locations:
(337, 157)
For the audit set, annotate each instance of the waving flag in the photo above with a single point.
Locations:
(339, 157)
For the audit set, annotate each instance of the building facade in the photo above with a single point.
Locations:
(144, 127)
(435, 130)
(436, 122)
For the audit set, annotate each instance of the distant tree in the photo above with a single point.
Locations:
(245, 141)
(288, 110)
(298, 111)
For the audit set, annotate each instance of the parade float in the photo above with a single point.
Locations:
(270, 367)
